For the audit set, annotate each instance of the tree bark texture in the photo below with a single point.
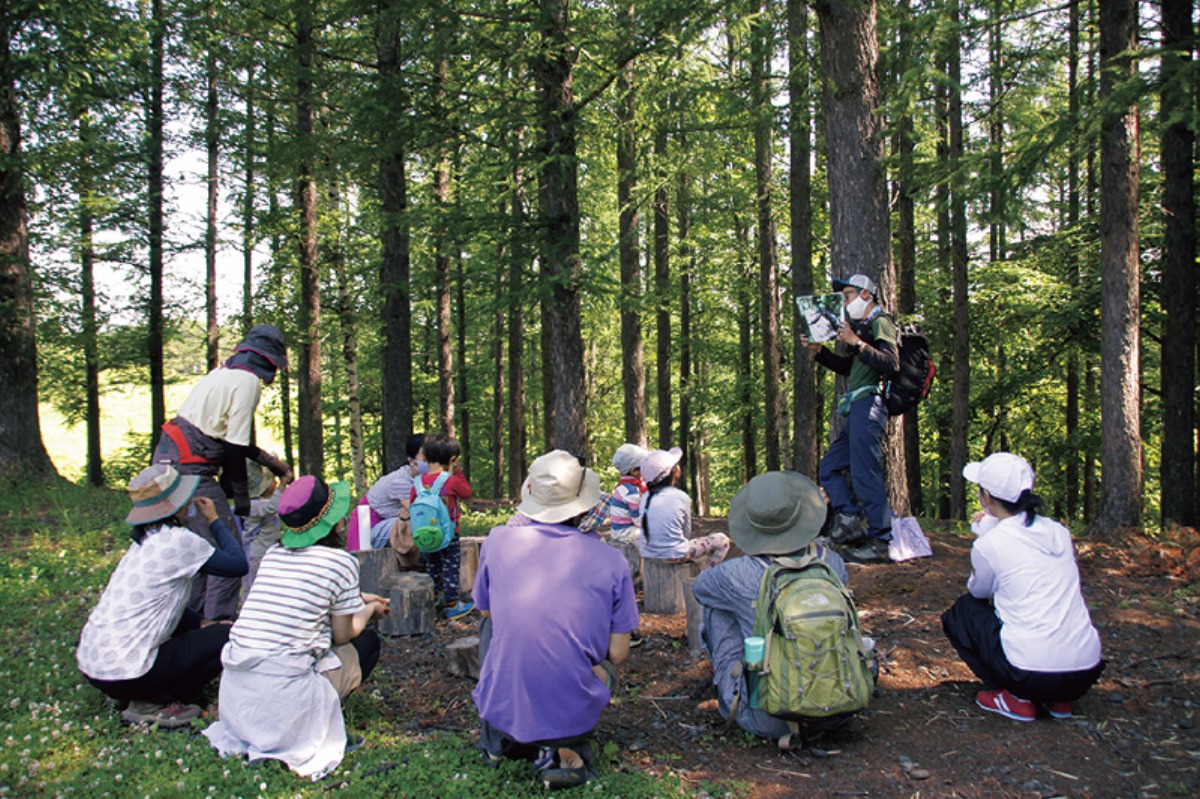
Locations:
(1071, 473)
(463, 403)
(212, 149)
(761, 49)
(347, 318)
(558, 190)
(497, 352)
(87, 282)
(804, 386)
(394, 267)
(961, 412)
(154, 160)
(1120, 343)
(1178, 268)
(248, 222)
(683, 215)
(441, 261)
(311, 434)
(662, 293)
(516, 327)
(633, 369)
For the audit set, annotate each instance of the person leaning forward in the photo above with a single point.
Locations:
(210, 436)
(852, 470)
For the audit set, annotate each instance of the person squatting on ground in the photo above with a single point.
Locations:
(300, 645)
(389, 498)
(775, 514)
(141, 645)
(548, 656)
(667, 515)
(1024, 627)
(210, 436)
(441, 453)
(852, 470)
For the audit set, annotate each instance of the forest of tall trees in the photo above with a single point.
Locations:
(545, 223)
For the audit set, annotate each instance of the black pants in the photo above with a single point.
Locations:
(184, 665)
(973, 628)
(368, 645)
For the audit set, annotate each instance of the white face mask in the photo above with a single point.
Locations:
(857, 308)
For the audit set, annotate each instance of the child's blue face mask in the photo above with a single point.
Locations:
(422, 466)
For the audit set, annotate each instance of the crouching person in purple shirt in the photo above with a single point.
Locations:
(558, 607)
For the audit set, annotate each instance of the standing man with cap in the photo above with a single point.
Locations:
(1023, 625)
(775, 514)
(852, 470)
(558, 607)
(211, 436)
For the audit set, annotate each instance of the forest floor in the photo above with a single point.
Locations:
(1134, 735)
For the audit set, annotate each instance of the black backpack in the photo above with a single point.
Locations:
(911, 383)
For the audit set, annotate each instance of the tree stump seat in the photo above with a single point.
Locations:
(662, 582)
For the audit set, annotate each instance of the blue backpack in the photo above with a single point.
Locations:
(432, 528)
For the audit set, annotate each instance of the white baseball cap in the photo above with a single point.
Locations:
(659, 462)
(629, 457)
(1001, 474)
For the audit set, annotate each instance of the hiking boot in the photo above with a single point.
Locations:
(847, 529)
(167, 717)
(635, 639)
(459, 608)
(1006, 705)
(873, 550)
(1059, 710)
(554, 778)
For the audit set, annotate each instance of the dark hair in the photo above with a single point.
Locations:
(336, 537)
(440, 448)
(1027, 503)
(414, 445)
(140, 531)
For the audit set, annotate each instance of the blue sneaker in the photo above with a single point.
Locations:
(459, 608)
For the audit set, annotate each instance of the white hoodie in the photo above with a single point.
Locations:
(1030, 574)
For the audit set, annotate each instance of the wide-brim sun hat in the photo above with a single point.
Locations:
(629, 457)
(309, 508)
(776, 513)
(659, 463)
(558, 488)
(159, 491)
(1002, 474)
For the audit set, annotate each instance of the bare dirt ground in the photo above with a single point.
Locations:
(1134, 735)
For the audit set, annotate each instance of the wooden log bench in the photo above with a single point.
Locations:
(663, 584)
(463, 655)
(413, 610)
(468, 563)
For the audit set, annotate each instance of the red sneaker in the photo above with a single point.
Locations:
(1059, 710)
(1007, 705)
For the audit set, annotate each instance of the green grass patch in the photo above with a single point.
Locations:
(62, 738)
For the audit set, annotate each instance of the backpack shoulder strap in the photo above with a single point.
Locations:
(436, 487)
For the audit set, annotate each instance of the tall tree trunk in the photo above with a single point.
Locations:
(997, 200)
(21, 446)
(394, 270)
(860, 231)
(278, 266)
(463, 400)
(944, 300)
(804, 386)
(501, 296)
(559, 206)
(633, 369)
(961, 414)
(516, 326)
(906, 268)
(248, 225)
(1073, 145)
(745, 372)
(1179, 268)
(662, 293)
(347, 319)
(311, 435)
(211, 145)
(1120, 344)
(87, 281)
(441, 260)
(154, 159)
(761, 51)
(683, 215)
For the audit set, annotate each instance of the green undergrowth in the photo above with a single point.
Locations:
(59, 737)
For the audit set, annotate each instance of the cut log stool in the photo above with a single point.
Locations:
(374, 566)
(663, 584)
(412, 611)
(468, 563)
(464, 657)
(632, 556)
(695, 614)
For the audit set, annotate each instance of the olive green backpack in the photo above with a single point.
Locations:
(815, 664)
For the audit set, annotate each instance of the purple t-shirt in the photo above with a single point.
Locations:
(555, 595)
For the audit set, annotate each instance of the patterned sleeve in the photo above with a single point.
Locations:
(178, 551)
(347, 597)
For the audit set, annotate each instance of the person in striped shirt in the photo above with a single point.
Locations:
(301, 643)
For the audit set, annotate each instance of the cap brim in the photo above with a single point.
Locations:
(338, 508)
(169, 505)
(806, 524)
(554, 514)
(839, 284)
(971, 471)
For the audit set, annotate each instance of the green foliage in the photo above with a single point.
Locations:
(62, 738)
